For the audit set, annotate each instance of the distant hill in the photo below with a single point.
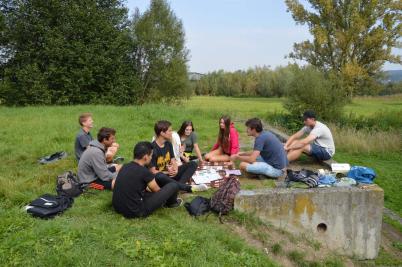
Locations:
(393, 75)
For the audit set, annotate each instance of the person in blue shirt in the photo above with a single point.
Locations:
(268, 156)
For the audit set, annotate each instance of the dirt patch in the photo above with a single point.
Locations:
(242, 232)
(389, 236)
(278, 244)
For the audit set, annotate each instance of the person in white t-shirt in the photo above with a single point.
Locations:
(318, 143)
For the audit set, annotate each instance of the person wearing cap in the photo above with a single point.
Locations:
(318, 143)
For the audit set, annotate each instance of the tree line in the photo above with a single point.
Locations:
(90, 52)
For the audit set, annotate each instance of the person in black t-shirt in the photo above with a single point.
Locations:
(164, 164)
(136, 192)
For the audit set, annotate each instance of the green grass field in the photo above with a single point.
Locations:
(91, 233)
(369, 105)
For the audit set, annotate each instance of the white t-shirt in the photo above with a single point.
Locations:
(323, 136)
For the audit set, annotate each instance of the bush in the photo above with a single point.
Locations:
(312, 89)
(380, 121)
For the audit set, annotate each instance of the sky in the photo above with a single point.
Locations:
(237, 34)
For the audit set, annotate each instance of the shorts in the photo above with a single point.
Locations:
(319, 152)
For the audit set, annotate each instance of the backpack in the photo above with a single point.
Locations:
(222, 201)
(198, 206)
(362, 174)
(67, 185)
(48, 206)
(308, 177)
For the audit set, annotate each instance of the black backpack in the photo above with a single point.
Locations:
(223, 200)
(53, 158)
(198, 206)
(48, 206)
(67, 185)
(308, 177)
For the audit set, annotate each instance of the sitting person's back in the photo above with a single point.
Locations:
(130, 195)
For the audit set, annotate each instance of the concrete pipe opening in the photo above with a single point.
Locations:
(322, 228)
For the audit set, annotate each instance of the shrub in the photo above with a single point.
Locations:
(312, 89)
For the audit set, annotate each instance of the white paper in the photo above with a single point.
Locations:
(206, 176)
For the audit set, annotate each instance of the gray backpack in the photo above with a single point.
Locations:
(67, 185)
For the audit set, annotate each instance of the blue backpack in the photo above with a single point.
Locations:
(362, 174)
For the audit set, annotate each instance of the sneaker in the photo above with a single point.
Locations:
(199, 187)
(178, 203)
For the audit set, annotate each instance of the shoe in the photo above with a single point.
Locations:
(199, 187)
(178, 203)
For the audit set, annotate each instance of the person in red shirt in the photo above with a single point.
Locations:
(227, 143)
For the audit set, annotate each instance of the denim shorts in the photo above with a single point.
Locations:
(261, 167)
(319, 152)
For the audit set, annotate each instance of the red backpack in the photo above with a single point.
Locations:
(223, 200)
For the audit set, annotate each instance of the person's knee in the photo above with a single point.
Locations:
(307, 148)
(213, 159)
(171, 187)
(193, 165)
(243, 166)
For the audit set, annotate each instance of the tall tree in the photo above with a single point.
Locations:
(352, 38)
(160, 54)
(65, 52)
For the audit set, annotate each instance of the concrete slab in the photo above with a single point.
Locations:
(347, 220)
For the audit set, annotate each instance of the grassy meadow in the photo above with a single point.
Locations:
(92, 234)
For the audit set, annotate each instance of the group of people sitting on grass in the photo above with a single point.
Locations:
(162, 168)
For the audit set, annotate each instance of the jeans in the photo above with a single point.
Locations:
(261, 167)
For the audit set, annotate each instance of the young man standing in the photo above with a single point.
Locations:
(92, 166)
(268, 156)
(84, 137)
(163, 163)
(137, 193)
(318, 143)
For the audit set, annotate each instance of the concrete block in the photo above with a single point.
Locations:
(346, 220)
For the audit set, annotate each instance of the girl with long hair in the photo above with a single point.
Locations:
(189, 142)
(227, 143)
